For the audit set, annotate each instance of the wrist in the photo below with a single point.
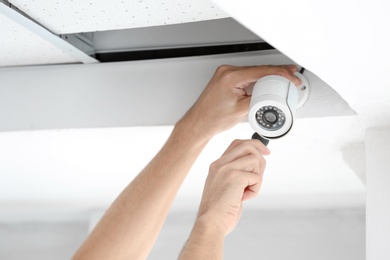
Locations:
(207, 224)
(205, 242)
(193, 129)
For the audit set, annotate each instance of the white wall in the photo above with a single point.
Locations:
(271, 235)
(279, 235)
(40, 241)
(378, 193)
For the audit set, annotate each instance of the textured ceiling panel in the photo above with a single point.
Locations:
(25, 43)
(21, 46)
(97, 15)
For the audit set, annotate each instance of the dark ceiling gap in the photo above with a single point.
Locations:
(181, 52)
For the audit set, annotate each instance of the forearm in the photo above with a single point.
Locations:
(132, 223)
(130, 226)
(205, 242)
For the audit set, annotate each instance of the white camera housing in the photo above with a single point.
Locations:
(274, 102)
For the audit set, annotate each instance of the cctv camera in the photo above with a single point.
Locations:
(273, 105)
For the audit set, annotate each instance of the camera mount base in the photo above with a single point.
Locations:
(303, 90)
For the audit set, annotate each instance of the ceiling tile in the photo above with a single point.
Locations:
(64, 17)
(26, 43)
(23, 47)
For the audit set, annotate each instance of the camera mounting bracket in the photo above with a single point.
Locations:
(303, 90)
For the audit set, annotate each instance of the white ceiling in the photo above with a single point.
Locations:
(109, 94)
(63, 17)
(77, 170)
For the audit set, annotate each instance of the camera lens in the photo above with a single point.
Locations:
(270, 118)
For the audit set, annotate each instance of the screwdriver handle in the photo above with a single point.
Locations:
(260, 138)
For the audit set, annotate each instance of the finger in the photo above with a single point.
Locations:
(287, 72)
(254, 189)
(263, 163)
(292, 77)
(248, 174)
(241, 148)
(238, 152)
(250, 163)
(251, 192)
(251, 185)
(246, 75)
(293, 68)
(255, 166)
(232, 146)
(247, 163)
(242, 143)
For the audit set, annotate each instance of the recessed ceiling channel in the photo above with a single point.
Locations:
(139, 30)
(173, 41)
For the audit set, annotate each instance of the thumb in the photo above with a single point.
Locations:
(243, 105)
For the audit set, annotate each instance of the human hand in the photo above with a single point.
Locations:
(224, 102)
(232, 179)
